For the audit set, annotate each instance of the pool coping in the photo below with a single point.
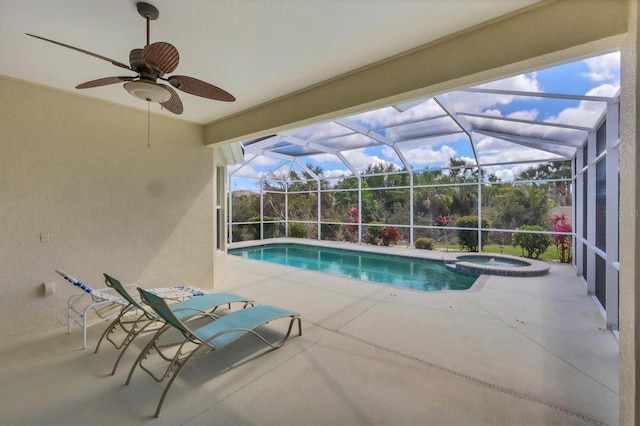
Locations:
(534, 268)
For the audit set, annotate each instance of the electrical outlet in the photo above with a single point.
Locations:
(44, 237)
(48, 288)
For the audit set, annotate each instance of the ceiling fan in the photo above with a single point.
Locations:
(150, 64)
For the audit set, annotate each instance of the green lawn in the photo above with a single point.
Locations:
(550, 254)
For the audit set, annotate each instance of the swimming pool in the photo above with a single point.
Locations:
(399, 271)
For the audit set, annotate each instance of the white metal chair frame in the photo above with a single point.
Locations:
(82, 308)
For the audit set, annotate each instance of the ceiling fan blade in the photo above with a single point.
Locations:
(200, 88)
(95, 55)
(104, 82)
(161, 55)
(174, 104)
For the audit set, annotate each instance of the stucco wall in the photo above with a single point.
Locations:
(80, 170)
(629, 311)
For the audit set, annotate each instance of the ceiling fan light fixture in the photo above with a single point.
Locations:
(149, 92)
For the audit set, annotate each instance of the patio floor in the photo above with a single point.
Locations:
(508, 351)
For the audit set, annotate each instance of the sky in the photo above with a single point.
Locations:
(596, 76)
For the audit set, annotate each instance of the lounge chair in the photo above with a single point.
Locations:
(93, 306)
(207, 338)
(133, 325)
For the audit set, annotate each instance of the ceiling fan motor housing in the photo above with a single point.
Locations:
(147, 91)
(136, 61)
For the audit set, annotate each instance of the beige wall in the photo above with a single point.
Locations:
(630, 226)
(80, 170)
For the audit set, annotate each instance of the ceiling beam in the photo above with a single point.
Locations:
(563, 29)
(540, 94)
(534, 144)
(528, 139)
(364, 131)
(301, 142)
(519, 120)
(461, 122)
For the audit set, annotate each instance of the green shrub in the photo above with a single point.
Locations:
(373, 234)
(533, 244)
(269, 228)
(424, 244)
(297, 230)
(467, 239)
(390, 235)
(243, 233)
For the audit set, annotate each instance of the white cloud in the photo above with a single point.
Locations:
(336, 173)
(264, 161)
(360, 159)
(495, 151)
(530, 115)
(587, 112)
(505, 174)
(508, 174)
(481, 102)
(604, 90)
(493, 112)
(389, 116)
(522, 83)
(468, 160)
(425, 155)
(603, 68)
(255, 166)
(319, 159)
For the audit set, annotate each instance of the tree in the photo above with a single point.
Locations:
(558, 191)
(344, 198)
(246, 204)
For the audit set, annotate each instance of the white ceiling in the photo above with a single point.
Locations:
(258, 50)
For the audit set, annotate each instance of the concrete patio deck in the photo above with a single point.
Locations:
(508, 351)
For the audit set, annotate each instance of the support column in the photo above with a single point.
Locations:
(578, 211)
(359, 210)
(611, 220)
(319, 206)
(591, 219)
(411, 209)
(262, 209)
(630, 224)
(229, 219)
(286, 208)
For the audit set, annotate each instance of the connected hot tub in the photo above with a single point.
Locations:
(478, 264)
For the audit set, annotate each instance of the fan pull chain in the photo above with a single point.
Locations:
(148, 125)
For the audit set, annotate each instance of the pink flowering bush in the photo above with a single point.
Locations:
(352, 216)
(442, 220)
(390, 235)
(560, 223)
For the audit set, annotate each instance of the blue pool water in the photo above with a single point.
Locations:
(400, 271)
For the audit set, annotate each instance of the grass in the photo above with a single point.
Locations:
(550, 254)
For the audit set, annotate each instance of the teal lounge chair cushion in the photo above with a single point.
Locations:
(233, 325)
